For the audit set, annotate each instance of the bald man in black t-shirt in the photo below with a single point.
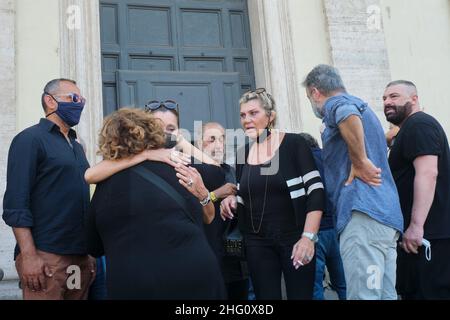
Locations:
(420, 163)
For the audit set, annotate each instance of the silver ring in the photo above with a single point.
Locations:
(190, 183)
(308, 258)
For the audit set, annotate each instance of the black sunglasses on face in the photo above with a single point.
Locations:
(155, 105)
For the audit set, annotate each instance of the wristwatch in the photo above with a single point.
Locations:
(206, 201)
(213, 196)
(311, 236)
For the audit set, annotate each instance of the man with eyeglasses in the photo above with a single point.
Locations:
(46, 198)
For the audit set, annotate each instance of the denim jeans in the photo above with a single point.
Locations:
(97, 291)
(327, 254)
(251, 290)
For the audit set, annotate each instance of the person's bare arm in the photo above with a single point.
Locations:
(352, 132)
(426, 168)
(228, 189)
(390, 134)
(193, 151)
(303, 251)
(107, 168)
(33, 267)
(209, 211)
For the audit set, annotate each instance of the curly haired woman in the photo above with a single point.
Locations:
(147, 224)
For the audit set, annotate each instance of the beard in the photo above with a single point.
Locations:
(400, 113)
(217, 156)
(318, 112)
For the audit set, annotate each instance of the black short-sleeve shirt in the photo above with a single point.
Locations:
(422, 135)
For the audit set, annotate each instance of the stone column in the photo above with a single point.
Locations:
(81, 61)
(358, 48)
(7, 122)
(273, 57)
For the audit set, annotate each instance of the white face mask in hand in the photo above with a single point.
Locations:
(427, 246)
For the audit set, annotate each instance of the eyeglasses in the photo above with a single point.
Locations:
(155, 105)
(75, 97)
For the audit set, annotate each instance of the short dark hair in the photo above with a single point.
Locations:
(325, 78)
(403, 82)
(312, 142)
(51, 87)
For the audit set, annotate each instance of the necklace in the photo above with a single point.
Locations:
(251, 204)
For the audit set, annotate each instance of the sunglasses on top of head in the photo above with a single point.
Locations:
(257, 91)
(155, 105)
(252, 94)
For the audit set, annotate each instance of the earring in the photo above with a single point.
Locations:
(270, 127)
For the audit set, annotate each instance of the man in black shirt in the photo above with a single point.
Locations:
(234, 270)
(46, 198)
(420, 163)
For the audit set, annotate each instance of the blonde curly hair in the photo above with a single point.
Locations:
(128, 132)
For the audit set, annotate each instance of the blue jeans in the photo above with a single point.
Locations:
(327, 254)
(251, 290)
(97, 291)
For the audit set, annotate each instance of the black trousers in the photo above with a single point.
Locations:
(237, 290)
(267, 260)
(420, 279)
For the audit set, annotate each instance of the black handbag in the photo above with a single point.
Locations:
(233, 240)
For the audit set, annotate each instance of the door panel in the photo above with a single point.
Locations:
(202, 96)
(178, 36)
(149, 26)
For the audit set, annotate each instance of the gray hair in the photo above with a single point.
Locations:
(266, 99)
(51, 87)
(212, 123)
(326, 79)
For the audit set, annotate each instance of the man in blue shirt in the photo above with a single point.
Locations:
(46, 198)
(359, 184)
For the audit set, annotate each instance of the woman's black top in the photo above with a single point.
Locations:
(154, 250)
(294, 189)
(269, 212)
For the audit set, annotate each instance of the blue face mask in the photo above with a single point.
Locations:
(69, 112)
